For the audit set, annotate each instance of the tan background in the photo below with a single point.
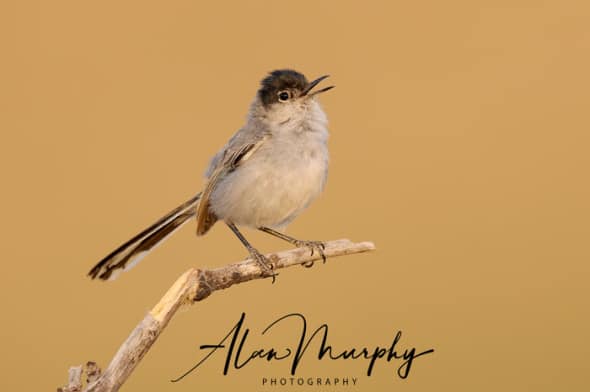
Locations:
(459, 142)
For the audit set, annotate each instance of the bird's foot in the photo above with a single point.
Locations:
(314, 246)
(264, 263)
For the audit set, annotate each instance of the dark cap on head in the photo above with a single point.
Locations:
(280, 80)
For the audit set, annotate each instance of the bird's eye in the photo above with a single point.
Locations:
(284, 96)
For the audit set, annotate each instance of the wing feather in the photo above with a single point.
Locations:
(232, 159)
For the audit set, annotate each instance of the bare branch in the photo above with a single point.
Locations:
(196, 285)
(74, 380)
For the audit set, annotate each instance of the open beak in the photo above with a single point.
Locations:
(311, 85)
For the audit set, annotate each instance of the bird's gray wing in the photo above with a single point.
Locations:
(236, 152)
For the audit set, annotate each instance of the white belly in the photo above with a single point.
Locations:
(274, 185)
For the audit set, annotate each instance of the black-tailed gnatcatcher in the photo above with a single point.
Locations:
(264, 177)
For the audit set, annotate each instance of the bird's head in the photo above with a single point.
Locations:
(286, 95)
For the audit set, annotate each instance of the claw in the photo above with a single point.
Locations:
(309, 264)
(321, 250)
(313, 246)
(266, 265)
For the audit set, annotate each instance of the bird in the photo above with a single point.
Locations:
(268, 172)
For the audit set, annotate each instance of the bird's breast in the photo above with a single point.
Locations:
(276, 183)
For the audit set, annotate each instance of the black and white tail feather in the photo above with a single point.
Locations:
(131, 252)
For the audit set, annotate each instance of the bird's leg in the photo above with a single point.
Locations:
(265, 264)
(312, 245)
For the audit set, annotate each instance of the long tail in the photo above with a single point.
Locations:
(132, 251)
